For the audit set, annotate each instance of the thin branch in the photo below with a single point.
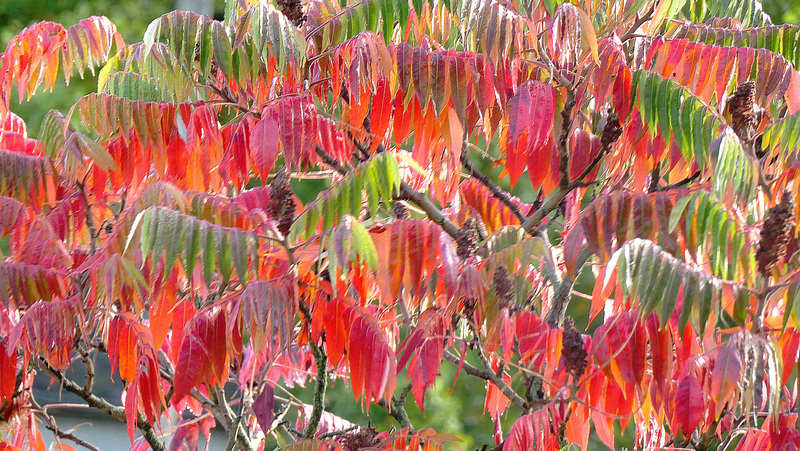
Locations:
(680, 183)
(89, 385)
(640, 20)
(89, 220)
(563, 140)
(320, 383)
(339, 432)
(99, 403)
(433, 212)
(548, 206)
(50, 424)
(231, 421)
(489, 375)
(330, 161)
(561, 297)
(320, 387)
(655, 177)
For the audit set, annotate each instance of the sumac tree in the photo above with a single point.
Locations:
(155, 221)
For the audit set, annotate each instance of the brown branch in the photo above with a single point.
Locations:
(111, 410)
(680, 183)
(50, 424)
(89, 220)
(561, 297)
(321, 381)
(397, 408)
(330, 161)
(548, 206)
(431, 210)
(563, 140)
(489, 375)
(89, 385)
(320, 387)
(640, 20)
(655, 177)
(233, 424)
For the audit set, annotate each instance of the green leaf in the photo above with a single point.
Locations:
(379, 177)
(653, 277)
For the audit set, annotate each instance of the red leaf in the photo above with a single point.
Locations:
(181, 315)
(530, 124)
(264, 407)
(380, 111)
(234, 165)
(725, 377)
(584, 147)
(534, 431)
(423, 350)
(494, 213)
(789, 344)
(264, 145)
(192, 364)
(662, 357)
(620, 347)
(8, 372)
(333, 141)
(352, 329)
(203, 355)
(689, 405)
(531, 332)
(296, 120)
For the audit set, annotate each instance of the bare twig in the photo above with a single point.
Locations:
(89, 385)
(681, 183)
(320, 383)
(339, 432)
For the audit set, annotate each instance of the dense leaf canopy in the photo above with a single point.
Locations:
(157, 222)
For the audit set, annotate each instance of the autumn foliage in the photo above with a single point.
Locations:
(157, 222)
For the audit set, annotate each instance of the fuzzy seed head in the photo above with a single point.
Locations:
(778, 229)
(281, 204)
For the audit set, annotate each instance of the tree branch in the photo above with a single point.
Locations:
(233, 422)
(320, 387)
(50, 424)
(558, 309)
(489, 375)
(320, 383)
(99, 403)
(640, 20)
(88, 213)
(397, 407)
